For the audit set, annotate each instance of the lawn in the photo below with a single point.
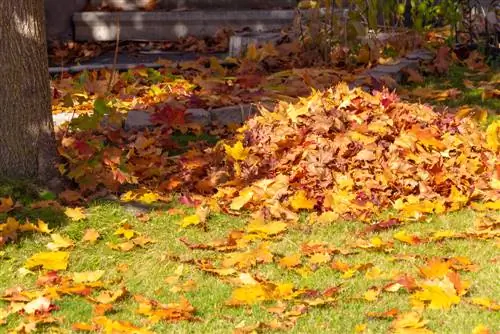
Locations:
(166, 270)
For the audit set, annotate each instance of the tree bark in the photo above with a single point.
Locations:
(27, 144)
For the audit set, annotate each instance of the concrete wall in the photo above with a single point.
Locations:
(59, 17)
(59, 13)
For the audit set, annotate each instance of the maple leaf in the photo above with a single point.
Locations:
(481, 329)
(119, 327)
(300, 201)
(371, 294)
(245, 196)
(268, 229)
(290, 261)
(49, 260)
(440, 294)
(59, 242)
(126, 231)
(43, 227)
(91, 235)
(410, 322)
(403, 236)
(109, 297)
(155, 311)
(493, 136)
(88, 276)
(6, 204)
(38, 305)
(75, 214)
(435, 268)
(237, 151)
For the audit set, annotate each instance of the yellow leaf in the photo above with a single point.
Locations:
(435, 268)
(410, 323)
(87, 276)
(75, 214)
(271, 228)
(190, 220)
(245, 195)
(59, 242)
(492, 136)
(319, 258)
(126, 232)
(371, 294)
(407, 238)
(439, 294)
(237, 152)
(373, 273)
(360, 328)
(91, 235)
(249, 294)
(327, 217)
(300, 201)
(49, 260)
(148, 198)
(43, 227)
(290, 261)
(481, 329)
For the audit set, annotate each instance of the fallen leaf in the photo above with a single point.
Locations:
(59, 242)
(49, 260)
(75, 214)
(91, 235)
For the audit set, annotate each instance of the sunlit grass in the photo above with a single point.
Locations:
(149, 268)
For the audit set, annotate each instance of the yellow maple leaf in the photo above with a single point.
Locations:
(75, 214)
(271, 228)
(91, 235)
(87, 276)
(410, 322)
(126, 232)
(249, 294)
(148, 198)
(403, 236)
(290, 261)
(300, 201)
(481, 329)
(492, 136)
(43, 227)
(49, 260)
(327, 217)
(320, 258)
(435, 268)
(371, 294)
(245, 195)
(439, 294)
(190, 220)
(237, 151)
(59, 242)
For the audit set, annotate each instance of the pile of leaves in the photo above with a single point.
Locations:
(349, 154)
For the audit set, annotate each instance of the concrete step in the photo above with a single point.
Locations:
(134, 5)
(154, 26)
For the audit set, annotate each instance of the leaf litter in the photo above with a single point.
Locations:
(335, 154)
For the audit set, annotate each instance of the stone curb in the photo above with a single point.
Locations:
(395, 71)
(140, 119)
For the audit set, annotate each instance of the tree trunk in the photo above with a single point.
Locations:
(27, 144)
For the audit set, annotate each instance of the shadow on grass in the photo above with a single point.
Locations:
(26, 196)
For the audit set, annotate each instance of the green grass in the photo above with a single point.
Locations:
(148, 269)
(455, 79)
